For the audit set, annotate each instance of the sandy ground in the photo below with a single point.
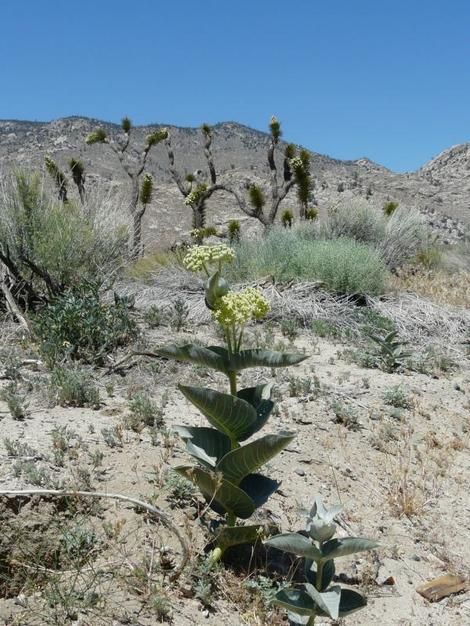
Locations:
(401, 474)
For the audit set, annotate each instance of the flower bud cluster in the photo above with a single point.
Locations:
(236, 308)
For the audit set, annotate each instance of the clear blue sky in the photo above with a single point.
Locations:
(387, 79)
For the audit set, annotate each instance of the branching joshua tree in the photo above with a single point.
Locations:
(251, 200)
(195, 191)
(295, 172)
(133, 171)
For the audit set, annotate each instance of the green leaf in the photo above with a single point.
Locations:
(191, 353)
(347, 545)
(229, 414)
(214, 443)
(350, 601)
(216, 287)
(263, 358)
(201, 455)
(328, 601)
(295, 600)
(294, 543)
(236, 535)
(260, 399)
(223, 497)
(328, 572)
(259, 488)
(217, 357)
(247, 459)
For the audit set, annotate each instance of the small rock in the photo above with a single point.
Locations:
(299, 471)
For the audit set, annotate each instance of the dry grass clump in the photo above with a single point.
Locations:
(438, 286)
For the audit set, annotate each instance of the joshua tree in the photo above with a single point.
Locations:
(134, 172)
(58, 177)
(195, 191)
(78, 174)
(251, 200)
(295, 171)
(60, 180)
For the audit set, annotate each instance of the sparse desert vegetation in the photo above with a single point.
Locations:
(330, 350)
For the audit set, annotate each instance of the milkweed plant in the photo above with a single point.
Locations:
(226, 466)
(318, 547)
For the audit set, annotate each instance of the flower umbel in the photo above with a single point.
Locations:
(199, 257)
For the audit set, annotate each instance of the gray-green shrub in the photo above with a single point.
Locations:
(49, 246)
(343, 265)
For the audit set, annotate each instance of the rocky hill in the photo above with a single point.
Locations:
(440, 189)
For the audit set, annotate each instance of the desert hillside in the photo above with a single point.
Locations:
(440, 189)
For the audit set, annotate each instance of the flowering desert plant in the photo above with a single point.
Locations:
(317, 597)
(226, 470)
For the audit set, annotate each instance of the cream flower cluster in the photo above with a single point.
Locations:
(194, 196)
(199, 257)
(236, 308)
(296, 163)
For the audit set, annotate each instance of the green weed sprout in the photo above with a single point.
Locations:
(226, 471)
(317, 597)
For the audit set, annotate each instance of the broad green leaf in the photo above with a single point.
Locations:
(295, 600)
(263, 358)
(222, 496)
(214, 443)
(350, 601)
(247, 459)
(260, 399)
(259, 488)
(236, 535)
(216, 287)
(327, 601)
(295, 543)
(229, 414)
(201, 455)
(347, 545)
(194, 354)
(328, 572)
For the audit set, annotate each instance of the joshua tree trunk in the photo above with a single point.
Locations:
(136, 250)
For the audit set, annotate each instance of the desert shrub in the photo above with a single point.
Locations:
(429, 256)
(354, 220)
(49, 246)
(78, 325)
(73, 386)
(343, 265)
(405, 234)
(398, 237)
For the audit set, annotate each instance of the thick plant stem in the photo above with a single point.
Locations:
(233, 383)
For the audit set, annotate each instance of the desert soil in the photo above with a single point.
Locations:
(401, 474)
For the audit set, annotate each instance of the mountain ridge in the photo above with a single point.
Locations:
(440, 189)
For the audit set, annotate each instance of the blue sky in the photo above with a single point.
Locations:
(386, 79)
